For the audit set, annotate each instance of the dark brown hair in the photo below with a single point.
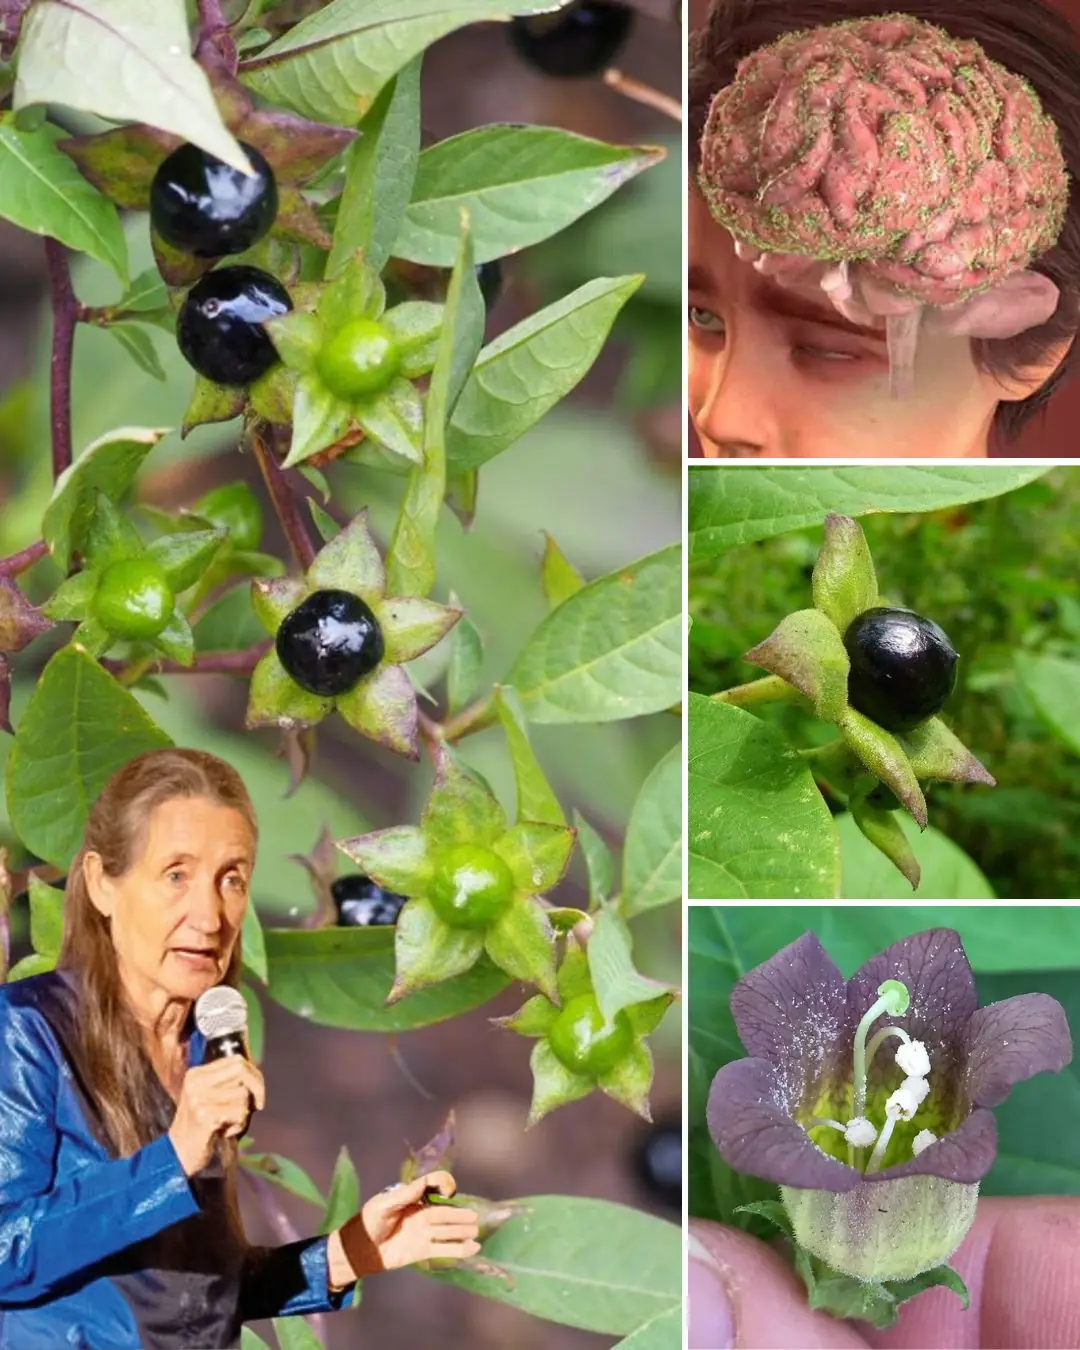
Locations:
(1029, 39)
(116, 1072)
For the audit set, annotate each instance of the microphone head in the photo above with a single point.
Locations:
(221, 1011)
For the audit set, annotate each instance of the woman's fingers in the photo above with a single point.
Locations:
(454, 1251)
(460, 1223)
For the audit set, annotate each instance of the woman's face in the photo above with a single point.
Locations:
(774, 374)
(178, 910)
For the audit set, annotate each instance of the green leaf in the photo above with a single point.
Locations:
(77, 728)
(662, 1332)
(379, 170)
(726, 509)
(806, 650)
(184, 556)
(349, 561)
(319, 419)
(628, 1082)
(934, 752)
(429, 951)
(521, 943)
(135, 340)
(256, 1028)
(463, 674)
(293, 1333)
(652, 854)
(460, 809)
(558, 576)
(135, 66)
(72, 597)
(254, 943)
(332, 64)
(344, 1198)
(947, 871)
(844, 581)
(275, 700)
(939, 1277)
(176, 639)
(415, 326)
(397, 858)
(283, 1172)
(1053, 686)
(110, 536)
(886, 759)
(757, 826)
(251, 1340)
(525, 371)
(411, 568)
(109, 465)
(340, 977)
(611, 651)
(599, 864)
(383, 707)
(884, 832)
(521, 184)
(536, 799)
(615, 979)
(536, 854)
(211, 402)
(34, 964)
(395, 420)
(46, 918)
(42, 190)
(533, 1018)
(554, 1085)
(584, 1263)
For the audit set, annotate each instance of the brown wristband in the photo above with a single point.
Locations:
(360, 1250)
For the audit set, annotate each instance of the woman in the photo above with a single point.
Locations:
(119, 1224)
(778, 369)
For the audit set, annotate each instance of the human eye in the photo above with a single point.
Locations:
(706, 320)
(174, 872)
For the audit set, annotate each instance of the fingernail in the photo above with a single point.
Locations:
(711, 1319)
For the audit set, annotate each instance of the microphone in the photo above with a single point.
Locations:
(221, 1016)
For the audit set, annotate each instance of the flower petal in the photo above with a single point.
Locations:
(536, 854)
(749, 1115)
(396, 858)
(965, 1154)
(428, 951)
(273, 598)
(521, 943)
(383, 708)
(274, 700)
(351, 562)
(1013, 1040)
(411, 625)
(460, 810)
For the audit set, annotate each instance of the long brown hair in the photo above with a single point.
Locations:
(1029, 39)
(116, 1072)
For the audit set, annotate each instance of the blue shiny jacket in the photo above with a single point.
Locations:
(105, 1253)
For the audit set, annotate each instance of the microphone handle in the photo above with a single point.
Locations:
(226, 1047)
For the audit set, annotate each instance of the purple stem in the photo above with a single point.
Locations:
(15, 563)
(266, 1194)
(284, 503)
(206, 663)
(65, 310)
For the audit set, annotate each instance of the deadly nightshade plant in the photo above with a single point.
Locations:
(809, 654)
(868, 1102)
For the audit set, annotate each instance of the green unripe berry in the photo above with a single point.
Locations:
(359, 360)
(133, 598)
(582, 1041)
(234, 507)
(471, 886)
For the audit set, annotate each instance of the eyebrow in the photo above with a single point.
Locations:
(773, 299)
(190, 857)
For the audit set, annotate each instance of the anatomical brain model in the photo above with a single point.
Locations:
(892, 167)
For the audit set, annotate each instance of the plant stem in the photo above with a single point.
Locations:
(771, 689)
(643, 93)
(24, 559)
(211, 19)
(206, 663)
(476, 717)
(65, 310)
(265, 1193)
(284, 502)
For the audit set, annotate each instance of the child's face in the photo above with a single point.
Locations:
(774, 374)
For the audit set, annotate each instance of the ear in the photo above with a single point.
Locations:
(1030, 379)
(98, 885)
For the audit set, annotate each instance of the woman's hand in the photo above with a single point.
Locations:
(395, 1228)
(216, 1099)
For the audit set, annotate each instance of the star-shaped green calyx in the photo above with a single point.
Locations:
(579, 1050)
(474, 884)
(382, 703)
(354, 361)
(127, 590)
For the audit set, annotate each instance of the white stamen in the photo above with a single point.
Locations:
(906, 1100)
(918, 1087)
(913, 1059)
(922, 1141)
(860, 1132)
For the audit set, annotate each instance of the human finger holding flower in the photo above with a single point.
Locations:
(118, 1159)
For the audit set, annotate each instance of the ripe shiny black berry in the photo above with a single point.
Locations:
(362, 903)
(219, 329)
(329, 642)
(489, 277)
(201, 205)
(657, 1161)
(903, 667)
(579, 41)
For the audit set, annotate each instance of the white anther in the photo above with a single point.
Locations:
(918, 1087)
(922, 1141)
(907, 1099)
(860, 1132)
(913, 1059)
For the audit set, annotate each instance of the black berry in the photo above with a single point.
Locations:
(201, 205)
(657, 1162)
(579, 41)
(903, 667)
(329, 642)
(489, 277)
(220, 326)
(362, 903)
